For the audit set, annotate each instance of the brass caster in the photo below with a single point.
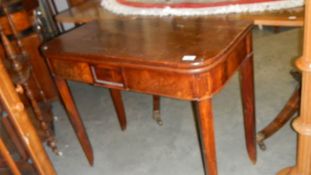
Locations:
(260, 141)
(157, 117)
(262, 146)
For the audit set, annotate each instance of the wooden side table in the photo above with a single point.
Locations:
(183, 58)
(294, 17)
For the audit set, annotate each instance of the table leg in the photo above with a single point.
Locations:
(13, 135)
(290, 108)
(75, 118)
(206, 135)
(156, 110)
(248, 103)
(119, 107)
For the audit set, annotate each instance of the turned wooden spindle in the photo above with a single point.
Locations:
(23, 72)
(21, 122)
(303, 123)
(22, 50)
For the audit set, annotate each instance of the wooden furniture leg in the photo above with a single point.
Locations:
(205, 122)
(119, 107)
(303, 123)
(15, 138)
(291, 107)
(23, 125)
(156, 110)
(8, 159)
(24, 167)
(248, 103)
(75, 118)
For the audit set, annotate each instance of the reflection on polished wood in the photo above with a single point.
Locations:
(92, 10)
(146, 55)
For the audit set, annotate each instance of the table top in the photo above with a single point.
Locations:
(163, 41)
(92, 10)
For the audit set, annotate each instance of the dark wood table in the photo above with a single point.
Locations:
(292, 17)
(182, 58)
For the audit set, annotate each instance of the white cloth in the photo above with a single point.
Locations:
(116, 7)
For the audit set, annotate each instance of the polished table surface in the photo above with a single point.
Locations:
(92, 10)
(184, 58)
(157, 43)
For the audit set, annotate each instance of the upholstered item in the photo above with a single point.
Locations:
(198, 7)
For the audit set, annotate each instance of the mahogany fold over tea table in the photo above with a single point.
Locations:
(183, 58)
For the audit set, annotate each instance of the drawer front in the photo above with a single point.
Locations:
(109, 76)
(72, 70)
(161, 83)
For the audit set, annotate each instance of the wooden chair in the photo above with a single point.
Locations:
(22, 125)
(22, 74)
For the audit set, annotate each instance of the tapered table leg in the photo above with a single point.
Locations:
(248, 103)
(156, 110)
(206, 134)
(75, 118)
(119, 107)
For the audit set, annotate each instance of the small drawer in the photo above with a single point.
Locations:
(108, 75)
(72, 70)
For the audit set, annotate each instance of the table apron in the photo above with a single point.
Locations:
(192, 85)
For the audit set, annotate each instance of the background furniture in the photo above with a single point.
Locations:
(76, 2)
(20, 120)
(17, 24)
(21, 73)
(290, 108)
(24, 26)
(26, 66)
(302, 124)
